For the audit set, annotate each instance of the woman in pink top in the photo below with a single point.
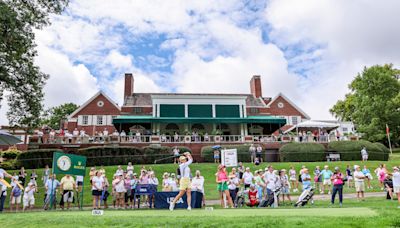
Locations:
(337, 179)
(382, 175)
(222, 181)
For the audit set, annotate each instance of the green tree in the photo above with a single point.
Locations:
(55, 115)
(373, 102)
(18, 74)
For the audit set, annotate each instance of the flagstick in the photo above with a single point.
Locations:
(390, 145)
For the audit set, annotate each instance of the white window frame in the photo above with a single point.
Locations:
(83, 120)
(99, 120)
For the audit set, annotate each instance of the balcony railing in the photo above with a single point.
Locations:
(35, 139)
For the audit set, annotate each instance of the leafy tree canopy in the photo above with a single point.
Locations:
(54, 116)
(18, 74)
(373, 102)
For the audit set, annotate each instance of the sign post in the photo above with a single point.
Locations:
(229, 157)
(69, 164)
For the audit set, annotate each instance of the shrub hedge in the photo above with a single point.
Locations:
(36, 158)
(207, 152)
(10, 154)
(108, 155)
(302, 152)
(351, 150)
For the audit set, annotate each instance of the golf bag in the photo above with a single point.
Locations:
(305, 196)
(240, 198)
(271, 200)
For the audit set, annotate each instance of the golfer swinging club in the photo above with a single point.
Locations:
(184, 183)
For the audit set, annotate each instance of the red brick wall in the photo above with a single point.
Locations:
(128, 88)
(92, 108)
(255, 86)
(287, 110)
(129, 111)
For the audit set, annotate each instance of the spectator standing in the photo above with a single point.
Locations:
(173, 182)
(382, 174)
(364, 154)
(119, 171)
(240, 170)
(97, 189)
(367, 174)
(34, 177)
(129, 169)
(46, 174)
(259, 150)
(270, 179)
(247, 178)
(293, 179)
(222, 185)
(317, 178)
(133, 184)
(67, 186)
(260, 184)
(359, 178)
(396, 183)
(15, 199)
(216, 156)
(252, 152)
(349, 176)
(198, 185)
(29, 197)
(92, 173)
(166, 187)
(22, 176)
(233, 186)
(51, 192)
(326, 178)
(285, 185)
(337, 179)
(176, 152)
(119, 191)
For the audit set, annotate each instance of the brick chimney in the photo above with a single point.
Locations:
(128, 85)
(255, 86)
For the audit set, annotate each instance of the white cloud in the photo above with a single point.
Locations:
(347, 35)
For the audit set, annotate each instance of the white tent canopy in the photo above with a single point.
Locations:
(310, 124)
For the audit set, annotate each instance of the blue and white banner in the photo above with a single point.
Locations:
(163, 199)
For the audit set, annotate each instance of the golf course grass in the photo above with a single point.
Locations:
(373, 212)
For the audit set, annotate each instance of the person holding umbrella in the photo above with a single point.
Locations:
(217, 154)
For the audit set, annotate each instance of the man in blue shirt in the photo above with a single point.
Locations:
(51, 188)
(306, 181)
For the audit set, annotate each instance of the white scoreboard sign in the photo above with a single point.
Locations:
(229, 157)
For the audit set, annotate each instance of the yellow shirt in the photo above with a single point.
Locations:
(67, 183)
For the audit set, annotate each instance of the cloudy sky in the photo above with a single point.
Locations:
(309, 50)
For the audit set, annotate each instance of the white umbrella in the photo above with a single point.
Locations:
(8, 139)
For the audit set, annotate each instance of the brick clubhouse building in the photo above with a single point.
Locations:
(182, 117)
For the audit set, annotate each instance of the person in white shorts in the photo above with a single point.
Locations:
(29, 197)
(396, 183)
(326, 177)
(359, 178)
(15, 200)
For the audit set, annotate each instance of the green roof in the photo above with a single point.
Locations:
(151, 119)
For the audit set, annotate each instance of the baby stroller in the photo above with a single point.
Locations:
(240, 198)
(272, 199)
(305, 196)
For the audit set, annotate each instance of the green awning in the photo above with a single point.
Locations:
(151, 119)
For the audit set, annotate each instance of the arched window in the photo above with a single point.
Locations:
(197, 127)
(172, 126)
